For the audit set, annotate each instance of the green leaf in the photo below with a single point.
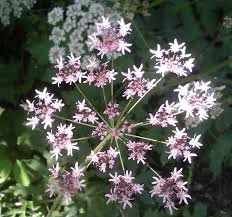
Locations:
(39, 49)
(200, 210)
(5, 169)
(21, 173)
(220, 151)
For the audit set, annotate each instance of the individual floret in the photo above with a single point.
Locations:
(195, 99)
(165, 116)
(68, 183)
(171, 189)
(68, 72)
(62, 140)
(43, 108)
(181, 145)
(136, 85)
(123, 190)
(109, 39)
(85, 114)
(104, 159)
(173, 60)
(138, 150)
(99, 74)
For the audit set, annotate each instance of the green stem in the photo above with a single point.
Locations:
(139, 101)
(120, 119)
(120, 156)
(83, 138)
(140, 124)
(98, 148)
(66, 119)
(55, 204)
(112, 82)
(145, 138)
(152, 169)
(104, 95)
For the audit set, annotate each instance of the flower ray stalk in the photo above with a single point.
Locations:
(84, 96)
(120, 156)
(75, 122)
(145, 138)
(123, 118)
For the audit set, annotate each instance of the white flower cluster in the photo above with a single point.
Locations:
(13, 8)
(213, 112)
(69, 34)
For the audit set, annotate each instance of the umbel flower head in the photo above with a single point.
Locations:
(68, 183)
(42, 108)
(173, 60)
(110, 128)
(109, 39)
(171, 189)
(104, 159)
(181, 144)
(62, 140)
(124, 188)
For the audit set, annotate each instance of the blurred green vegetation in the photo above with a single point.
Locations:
(24, 66)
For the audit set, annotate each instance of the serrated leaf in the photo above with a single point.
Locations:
(21, 174)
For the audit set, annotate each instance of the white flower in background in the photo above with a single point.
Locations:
(57, 35)
(56, 52)
(195, 99)
(13, 8)
(214, 111)
(55, 15)
(79, 22)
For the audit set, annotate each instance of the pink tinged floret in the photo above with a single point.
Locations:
(68, 183)
(138, 150)
(105, 159)
(101, 131)
(136, 84)
(112, 110)
(123, 190)
(171, 189)
(173, 60)
(181, 145)
(100, 75)
(84, 113)
(69, 72)
(108, 39)
(195, 99)
(165, 116)
(42, 108)
(62, 140)
(55, 170)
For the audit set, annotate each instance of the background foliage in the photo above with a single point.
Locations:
(24, 66)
